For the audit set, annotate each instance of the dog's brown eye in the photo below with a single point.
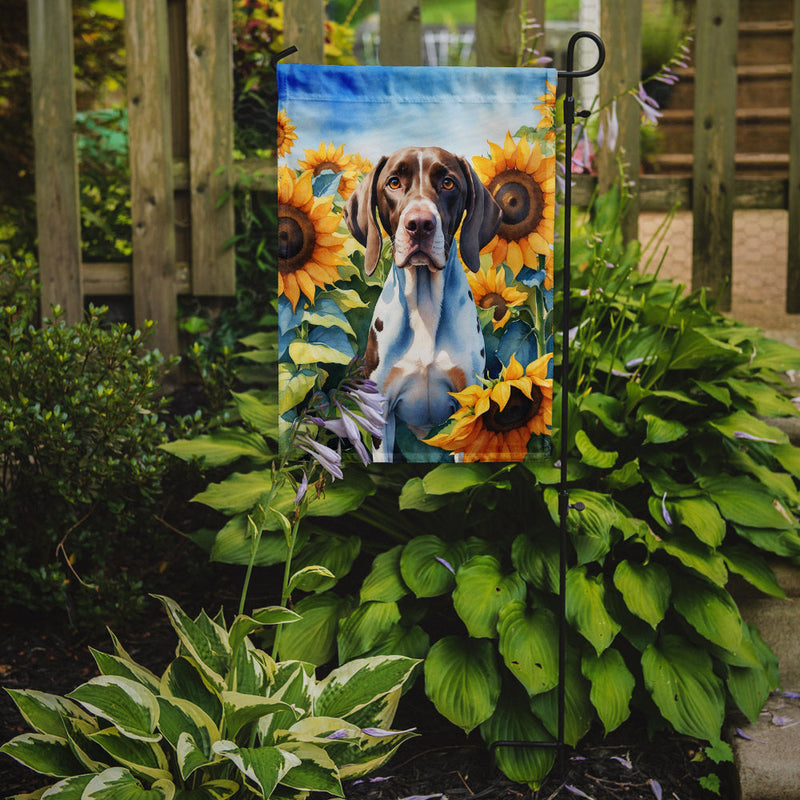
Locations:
(448, 183)
(393, 182)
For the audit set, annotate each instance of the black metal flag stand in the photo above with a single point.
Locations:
(564, 505)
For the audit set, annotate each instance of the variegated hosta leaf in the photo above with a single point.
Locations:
(205, 642)
(125, 668)
(294, 685)
(646, 589)
(45, 712)
(242, 709)
(316, 771)
(612, 686)
(126, 704)
(179, 718)
(462, 680)
(190, 755)
(68, 789)
(262, 766)
(481, 591)
(44, 753)
(183, 679)
(252, 670)
(358, 683)
(529, 645)
(373, 752)
(145, 759)
(117, 783)
(683, 685)
(78, 733)
(212, 790)
(244, 625)
(513, 721)
(586, 608)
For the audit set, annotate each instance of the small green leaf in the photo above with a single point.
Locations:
(683, 685)
(646, 589)
(590, 454)
(529, 645)
(663, 431)
(586, 608)
(612, 687)
(462, 680)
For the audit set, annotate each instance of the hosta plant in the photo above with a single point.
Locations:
(684, 484)
(224, 720)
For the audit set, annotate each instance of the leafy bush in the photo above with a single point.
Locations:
(222, 717)
(683, 483)
(79, 430)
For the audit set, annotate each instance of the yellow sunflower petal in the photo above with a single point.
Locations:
(514, 257)
(500, 394)
(513, 371)
(303, 190)
(291, 289)
(307, 286)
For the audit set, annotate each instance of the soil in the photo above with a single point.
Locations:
(45, 654)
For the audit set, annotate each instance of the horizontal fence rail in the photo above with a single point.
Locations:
(180, 106)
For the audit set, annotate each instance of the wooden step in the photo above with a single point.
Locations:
(753, 10)
(766, 165)
(758, 130)
(761, 41)
(758, 86)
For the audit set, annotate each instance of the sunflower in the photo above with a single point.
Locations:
(547, 108)
(286, 133)
(496, 420)
(522, 180)
(334, 159)
(489, 289)
(309, 249)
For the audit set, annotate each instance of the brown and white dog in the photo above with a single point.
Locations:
(425, 339)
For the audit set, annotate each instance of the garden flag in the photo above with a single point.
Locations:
(416, 211)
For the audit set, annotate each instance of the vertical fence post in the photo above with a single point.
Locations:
(152, 200)
(401, 33)
(210, 55)
(793, 266)
(498, 32)
(621, 28)
(304, 27)
(714, 146)
(56, 160)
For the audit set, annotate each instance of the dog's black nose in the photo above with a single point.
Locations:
(420, 225)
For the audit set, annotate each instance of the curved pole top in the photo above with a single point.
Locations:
(570, 72)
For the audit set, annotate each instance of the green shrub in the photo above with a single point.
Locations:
(223, 720)
(79, 428)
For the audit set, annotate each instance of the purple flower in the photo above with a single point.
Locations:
(649, 106)
(447, 564)
(380, 732)
(742, 735)
(301, 489)
(608, 132)
(624, 761)
(655, 786)
(664, 512)
(751, 437)
(342, 733)
(326, 457)
(577, 792)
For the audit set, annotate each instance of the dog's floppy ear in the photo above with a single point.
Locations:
(482, 220)
(359, 216)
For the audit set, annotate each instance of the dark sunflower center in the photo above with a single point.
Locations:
(498, 301)
(322, 166)
(519, 411)
(296, 239)
(522, 202)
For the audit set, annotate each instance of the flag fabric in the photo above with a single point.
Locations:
(416, 212)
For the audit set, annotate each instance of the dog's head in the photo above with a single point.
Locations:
(421, 195)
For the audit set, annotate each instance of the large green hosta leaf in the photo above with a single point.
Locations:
(586, 608)
(646, 589)
(223, 446)
(462, 680)
(529, 645)
(365, 627)
(428, 564)
(701, 517)
(745, 502)
(612, 686)
(452, 478)
(313, 638)
(682, 683)
(710, 610)
(537, 560)
(481, 591)
(513, 721)
(385, 582)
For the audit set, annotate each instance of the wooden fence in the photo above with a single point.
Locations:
(181, 134)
